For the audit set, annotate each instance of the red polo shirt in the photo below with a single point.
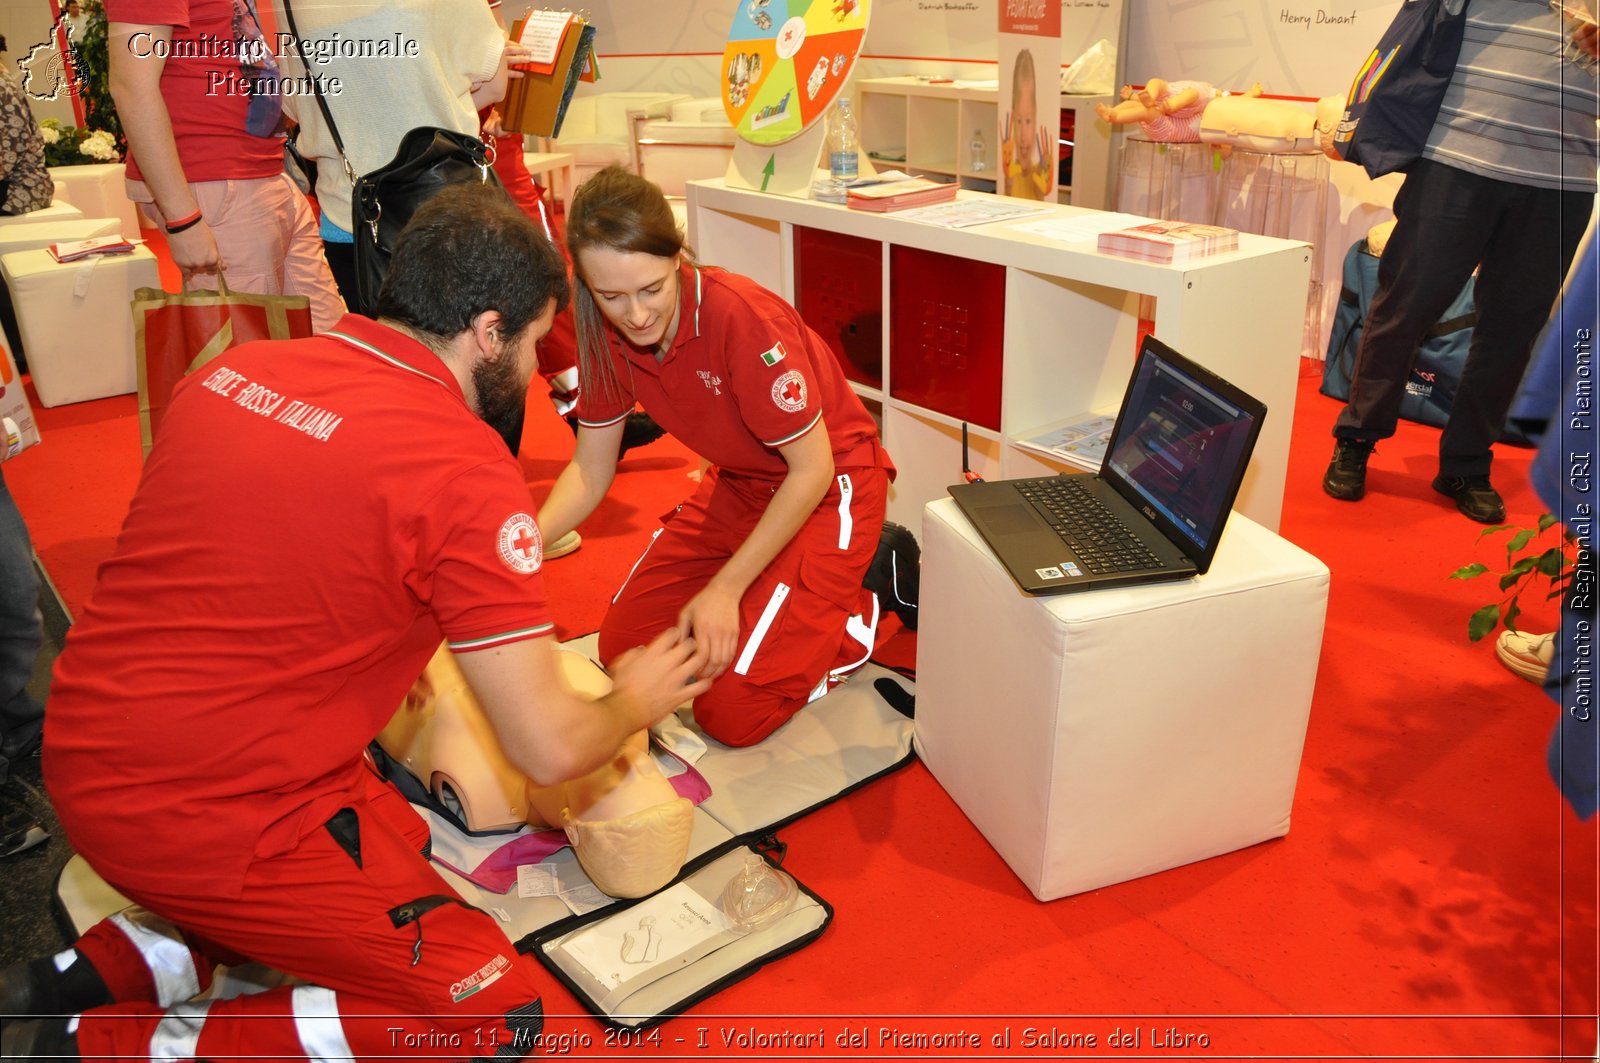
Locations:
(205, 87)
(745, 376)
(314, 516)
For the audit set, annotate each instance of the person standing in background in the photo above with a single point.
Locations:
(1505, 185)
(206, 147)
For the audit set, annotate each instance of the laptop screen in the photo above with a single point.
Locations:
(1180, 446)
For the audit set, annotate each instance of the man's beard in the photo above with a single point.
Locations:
(501, 394)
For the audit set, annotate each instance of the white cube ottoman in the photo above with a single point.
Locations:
(44, 233)
(76, 320)
(100, 191)
(59, 210)
(1100, 736)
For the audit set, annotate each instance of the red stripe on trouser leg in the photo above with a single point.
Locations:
(314, 913)
(124, 968)
(283, 1024)
(807, 636)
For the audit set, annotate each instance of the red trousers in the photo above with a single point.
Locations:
(558, 351)
(394, 965)
(804, 624)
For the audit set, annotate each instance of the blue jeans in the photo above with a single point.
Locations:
(21, 632)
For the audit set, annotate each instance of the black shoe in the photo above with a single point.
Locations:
(896, 573)
(38, 1039)
(38, 988)
(1474, 497)
(20, 830)
(1346, 477)
(641, 430)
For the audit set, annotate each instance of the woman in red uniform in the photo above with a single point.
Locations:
(765, 564)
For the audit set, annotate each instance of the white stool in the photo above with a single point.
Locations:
(44, 233)
(1100, 736)
(59, 210)
(100, 191)
(76, 321)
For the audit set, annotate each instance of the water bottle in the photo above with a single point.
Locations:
(980, 153)
(842, 144)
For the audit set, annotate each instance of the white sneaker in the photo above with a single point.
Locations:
(563, 546)
(1527, 655)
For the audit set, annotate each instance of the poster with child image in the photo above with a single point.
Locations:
(1030, 97)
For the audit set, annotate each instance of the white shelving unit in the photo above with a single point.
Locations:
(926, 128)
(1070, 325)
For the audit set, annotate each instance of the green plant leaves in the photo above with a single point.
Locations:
(1482, 622)
(1553, 563)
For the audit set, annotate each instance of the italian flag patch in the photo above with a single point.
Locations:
(774, 356)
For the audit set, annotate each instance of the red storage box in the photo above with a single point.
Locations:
(838, 287)
(947, 333)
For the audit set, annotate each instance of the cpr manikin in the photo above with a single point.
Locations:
(1195, 112)
(627, 825)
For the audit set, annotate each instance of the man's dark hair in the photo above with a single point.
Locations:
(468, 250)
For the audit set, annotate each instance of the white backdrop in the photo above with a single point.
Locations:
(1294, 47)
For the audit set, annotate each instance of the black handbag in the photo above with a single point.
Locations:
(382, 202)
(1395, 97)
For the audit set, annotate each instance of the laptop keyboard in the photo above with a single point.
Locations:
(1102, 542)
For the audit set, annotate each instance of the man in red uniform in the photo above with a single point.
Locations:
(316, 516)
(195, 85)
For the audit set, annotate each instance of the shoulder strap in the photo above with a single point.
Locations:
(316, 90)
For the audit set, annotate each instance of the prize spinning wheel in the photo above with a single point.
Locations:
(785, 62)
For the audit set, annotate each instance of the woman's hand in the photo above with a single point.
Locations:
(651, 681)
(711, 618)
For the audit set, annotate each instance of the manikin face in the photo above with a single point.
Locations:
(1025, 122)
(502, 384)
(636, 293)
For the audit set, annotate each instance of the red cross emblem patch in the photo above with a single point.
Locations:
(520, 545)
(789, 392)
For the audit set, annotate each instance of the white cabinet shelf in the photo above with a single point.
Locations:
(1068, 327)
(927, 127)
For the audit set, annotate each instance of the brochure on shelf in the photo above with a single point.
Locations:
(973, 210)
(1081, 441)
(1169, 241)
(900, 195)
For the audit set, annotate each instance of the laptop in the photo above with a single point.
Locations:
(1157, 507)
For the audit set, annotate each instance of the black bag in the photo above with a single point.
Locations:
(1395, 96)
(1436, 372)
(429, 160)
(383, 201)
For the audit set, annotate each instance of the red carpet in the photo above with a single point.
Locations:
(1434, 898)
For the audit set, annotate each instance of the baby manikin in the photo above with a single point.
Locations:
(627, 825)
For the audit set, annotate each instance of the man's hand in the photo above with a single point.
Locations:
(195, 251)
(711, 618)
(651, 681)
